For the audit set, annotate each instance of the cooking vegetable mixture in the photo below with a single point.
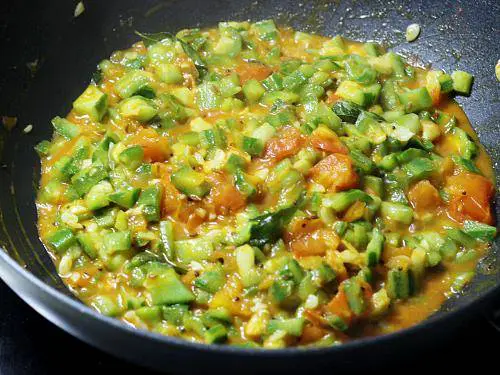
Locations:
(265, 187)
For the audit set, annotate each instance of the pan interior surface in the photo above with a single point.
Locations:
(67, 52)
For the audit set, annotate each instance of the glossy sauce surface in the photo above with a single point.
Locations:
(245, 306)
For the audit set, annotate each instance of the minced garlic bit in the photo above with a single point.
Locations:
(80, 8)
(28, 129)
(412, 32)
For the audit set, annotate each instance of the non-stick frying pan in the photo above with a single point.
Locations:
(62, 53)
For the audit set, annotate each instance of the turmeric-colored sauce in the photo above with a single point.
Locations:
(254, 185)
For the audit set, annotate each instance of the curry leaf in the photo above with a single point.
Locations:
(268, 228)
(200, 65)
(152, 38)
(347, 111)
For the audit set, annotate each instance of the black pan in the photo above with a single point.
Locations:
(456, 34)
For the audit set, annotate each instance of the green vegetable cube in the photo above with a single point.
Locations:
(462, 82)
(446, 83)
(61, 240)
(336, 322)
(253, 146)
(253, 90)
(135, 82)
(65, 128)
(117, 241)
(480, 231)
(125, 198)
(415, 100)
(190, 182)
(169, 73)
(167, 289)
(93, 102)
(399, 284)
(88, 242)
(138, 108)
(151, 315)
(355, 298)
(243, 184)
(293, 326)
(132, 156)
(234, 162)
(216, 334)
(97, 197)
(106, 305)
(150, 201)
(419, 169)
(211, 281)
(397, 212)
(174, 314)
(196, 249)
(84, 180)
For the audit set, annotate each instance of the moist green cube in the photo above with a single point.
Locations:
(97, 197)
(138, 108)
(132, 156)
(462, 82)
(216, 334)
(93, 102)
(415, 100)
(234, 162)
(134, 82)
(169, 73)
(253, 90)
(125, 198)
(117, 241)
(253, 146)
(190, 182)
(167, 289)
(65, 128)
(61, 240)
(150, 200)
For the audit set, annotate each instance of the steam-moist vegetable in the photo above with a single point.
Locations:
(254, 185)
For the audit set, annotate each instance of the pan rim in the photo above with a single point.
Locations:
(7, 261)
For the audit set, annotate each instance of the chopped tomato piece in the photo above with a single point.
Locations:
(156, 147)
(249, 70)
(434, 90)
(171, 200)
(340, 307)
(300, 227)
(391, 252)
(312, 333)
(355, 212)
(328, 141)
(287, 143)
(224, 195)
(468, 208)
(308, 245)
(424, 196)
(331, 97)
(194, 221)
(367, 290)
(231, 297)
(335, 172)
(471, 194)
(315, 243)
(472, 184)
